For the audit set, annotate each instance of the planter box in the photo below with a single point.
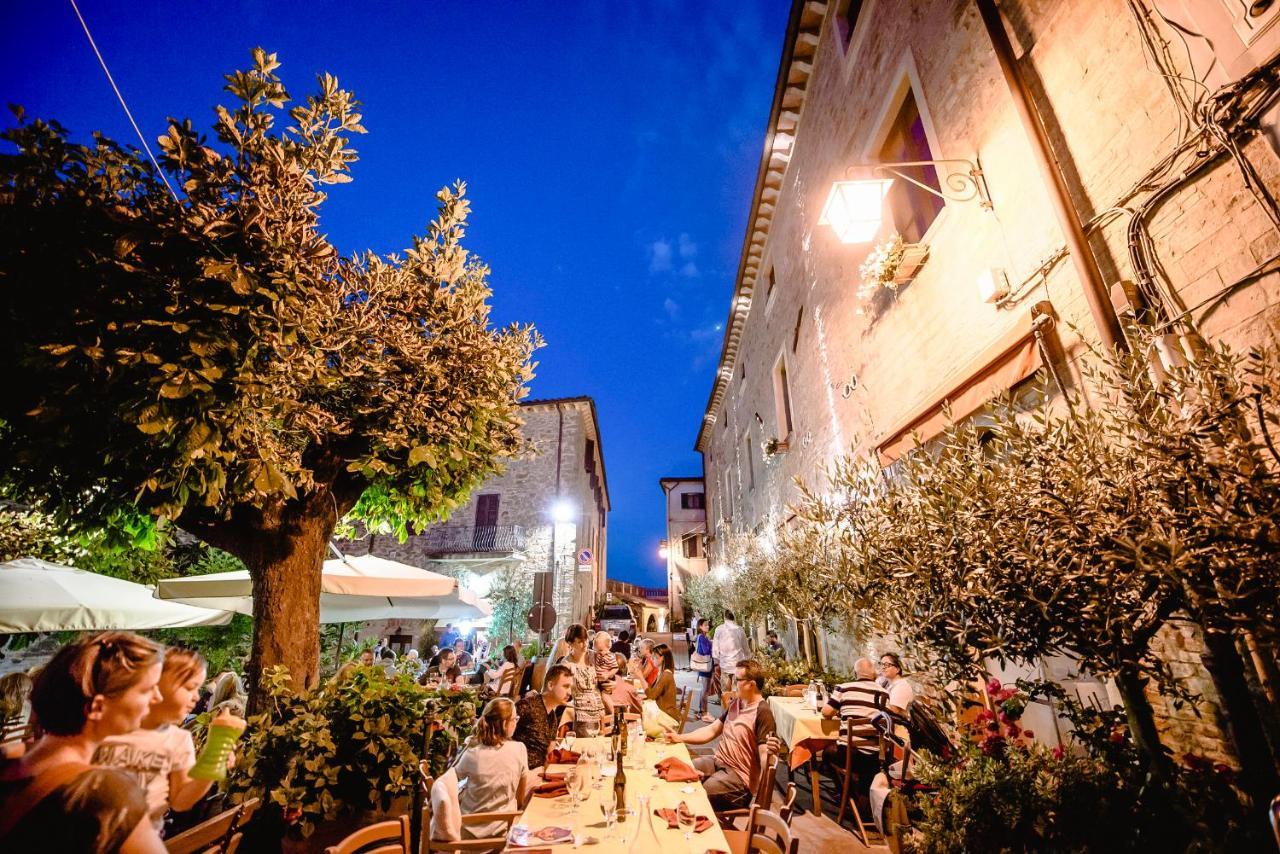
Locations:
(913, 258)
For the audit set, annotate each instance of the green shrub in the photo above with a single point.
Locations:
(344, 747)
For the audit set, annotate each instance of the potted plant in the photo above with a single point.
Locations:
(775, 446)
(327, 760)
(890, 265)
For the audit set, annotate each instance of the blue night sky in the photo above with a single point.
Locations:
(610, 150)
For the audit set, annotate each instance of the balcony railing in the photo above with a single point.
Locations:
(623, 588)
(482, 539)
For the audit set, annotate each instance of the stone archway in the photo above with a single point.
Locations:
(652, 624)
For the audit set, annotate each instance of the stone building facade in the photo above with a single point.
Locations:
(686, 543)
(812, 370)
(557, 492)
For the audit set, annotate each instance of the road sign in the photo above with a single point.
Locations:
(585, 556)
(542, 618)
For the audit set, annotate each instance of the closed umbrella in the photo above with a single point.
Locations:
(39, 596)
(365, 587)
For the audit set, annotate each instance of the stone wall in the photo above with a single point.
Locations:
(553, 469)
(857, 368)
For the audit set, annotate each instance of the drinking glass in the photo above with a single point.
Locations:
(686, 819)
(577, 780)
(610, 810)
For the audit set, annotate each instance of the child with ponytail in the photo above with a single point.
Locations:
(493, 770)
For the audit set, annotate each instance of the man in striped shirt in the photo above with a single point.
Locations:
(858, 703)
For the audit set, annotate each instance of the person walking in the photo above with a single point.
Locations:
(729, 647)
(703, 664)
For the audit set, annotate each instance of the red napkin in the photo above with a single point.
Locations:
(675, 770)
(551, 789)
(700, 824)
(560, 756)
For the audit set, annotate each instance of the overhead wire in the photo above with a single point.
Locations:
(119, 96)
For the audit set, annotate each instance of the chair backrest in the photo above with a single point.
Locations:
(505, 683)
(788, 809)
(794, 690)
(769, 833)
(684, 708)
(212, 834)
(517, 679)
(539, 673)
(395, 835)
(763, 796)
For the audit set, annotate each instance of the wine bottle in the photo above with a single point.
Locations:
(620, 788)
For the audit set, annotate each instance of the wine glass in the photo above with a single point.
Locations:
(686, 819)
(577, 780)
(609, 808)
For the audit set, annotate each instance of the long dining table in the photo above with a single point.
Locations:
(641, 779)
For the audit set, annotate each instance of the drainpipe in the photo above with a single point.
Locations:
(1095, 290)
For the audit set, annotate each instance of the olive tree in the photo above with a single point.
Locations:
(208, 357)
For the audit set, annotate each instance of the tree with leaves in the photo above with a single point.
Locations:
(207, 357)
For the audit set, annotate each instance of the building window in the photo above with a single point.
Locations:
(847, 19)
(487, 510)
(913, 208)
(795, 333)
(692, 501)
(751, 465)
(773, 283)
(782, 398)
(691, 545)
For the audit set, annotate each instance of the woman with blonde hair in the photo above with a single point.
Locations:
(493, 770)
(589, 706)
(53, 799)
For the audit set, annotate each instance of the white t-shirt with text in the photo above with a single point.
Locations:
(150, 755)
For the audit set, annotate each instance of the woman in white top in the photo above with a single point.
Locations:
(900, 691)
(508, 665)
(493, 771)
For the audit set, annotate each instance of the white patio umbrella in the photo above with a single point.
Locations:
(38, 596)
(351, 589)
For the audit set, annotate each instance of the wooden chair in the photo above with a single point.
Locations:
(513, 691)
(393, 836)
(539, 671)
(794, 690)
(488, 843)
(217, 835)
(684, 709)
(769, 833)
(788, 809)
(506, 685)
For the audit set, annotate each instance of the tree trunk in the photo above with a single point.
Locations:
(285, 568)
(1258, 776)
(1142, 722)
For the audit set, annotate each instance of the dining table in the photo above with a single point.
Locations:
(586, 819)
(806, 733)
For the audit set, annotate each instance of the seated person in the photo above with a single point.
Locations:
(774, 647)
(858, 704)
(663, 690)
(463, 658)
(622, 646)
(901, 694)
(731, 772)
(650, 665)
(493, 769)
(540, 714)
(508, 666)
(443, 671)
(628, 690)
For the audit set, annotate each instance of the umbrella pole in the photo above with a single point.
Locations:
(337, 653)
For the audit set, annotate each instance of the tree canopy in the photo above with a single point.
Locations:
(209, 357)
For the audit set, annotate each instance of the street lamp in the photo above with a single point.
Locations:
(855, 207)
(663, 550)
(562, 512)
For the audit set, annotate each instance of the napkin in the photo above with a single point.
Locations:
(700, 824)
(551, 789)
(562, 756)
(674, 770)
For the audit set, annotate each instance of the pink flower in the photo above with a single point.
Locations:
(993, 686)
(1058, 752)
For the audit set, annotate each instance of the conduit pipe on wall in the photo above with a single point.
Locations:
(1095, 290)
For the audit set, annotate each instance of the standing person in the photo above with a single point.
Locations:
(730, 643)
(539, 714)
(704, 665)
(663, 690)
(588, 704)
(448, 636)
(901, 694)
(732, 770)
(494, 767)
(622, 646)
(52, 798)
(160, 753)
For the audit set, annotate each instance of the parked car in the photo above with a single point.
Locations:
(616, 618)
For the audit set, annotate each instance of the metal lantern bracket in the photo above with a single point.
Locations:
(958, 186)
